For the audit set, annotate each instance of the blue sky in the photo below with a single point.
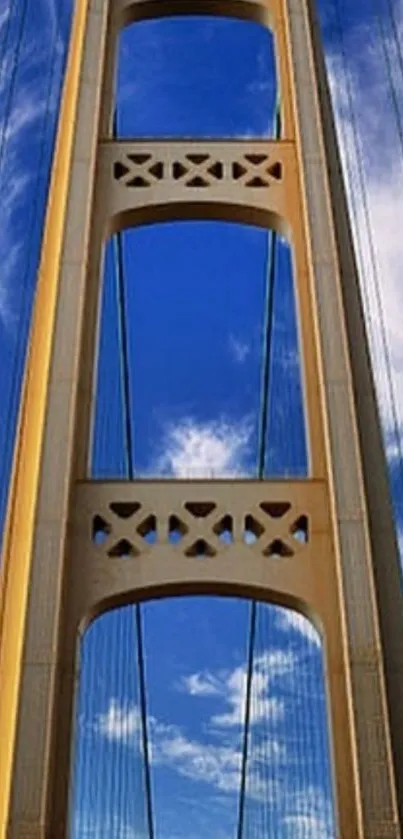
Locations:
(195, 294)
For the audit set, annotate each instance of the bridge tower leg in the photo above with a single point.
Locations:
(54, 577)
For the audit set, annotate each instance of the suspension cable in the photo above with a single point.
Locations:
(54, 79)
(130, 471)
(262, 447)
(389, 65)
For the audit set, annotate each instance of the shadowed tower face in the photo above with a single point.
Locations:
(57, 574)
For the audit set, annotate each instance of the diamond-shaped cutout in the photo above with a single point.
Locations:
(200, 548)
(123, 550)
(253, 530)
(124, 509)
(148, 529)
(101, 529)
(275, 509)
(300, 530)
(224, 529)
(176, 530)
(278, 550)
(200, 509)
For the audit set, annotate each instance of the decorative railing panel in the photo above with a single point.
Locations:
(236, 535)
(210, 179)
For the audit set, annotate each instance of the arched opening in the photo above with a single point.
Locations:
(212, 342)
(197, 658)
(196, 77)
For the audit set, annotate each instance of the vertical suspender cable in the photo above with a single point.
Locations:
(129, 454)
(55, 73)
(390, 63)
(262, 439)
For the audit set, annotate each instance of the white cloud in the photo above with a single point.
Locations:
(217, 765)
(381, 216)
(288, 619)
(215, 760)
(28, 106)
(192, 449)
(119, 722)
(310, 813)
(230, 686)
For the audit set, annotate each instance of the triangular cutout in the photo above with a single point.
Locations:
(138, 181)
(300, 530)
(275, 509)
(224, 529)
(176, 530)
(120, 170)
(216, 170)
(279, 549)
(256, 182)
(179, 170)
(124, 509)
(200, 509)
(157, 169)
(200, 548)
(148, 529)
(276, 171)
(197, 181)
(256, 159)
(139, 159)
(238, 171)
(198, 158)
(101, 529)
(123, 550)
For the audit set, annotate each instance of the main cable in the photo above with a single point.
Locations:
(262, 441)
(130, 470)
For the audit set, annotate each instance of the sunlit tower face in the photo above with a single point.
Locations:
(78, 545)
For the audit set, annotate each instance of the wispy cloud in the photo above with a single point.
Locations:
(288, 620)
(230, 687)
(194, 449)
(378, 160)
(239, 350)
(212, 760)
(310, 814)
(23, 108)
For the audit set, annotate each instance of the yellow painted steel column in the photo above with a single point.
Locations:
(20, 526)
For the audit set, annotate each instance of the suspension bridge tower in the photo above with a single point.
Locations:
(55, 575)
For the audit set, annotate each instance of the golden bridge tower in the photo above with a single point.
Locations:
(55, 578)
